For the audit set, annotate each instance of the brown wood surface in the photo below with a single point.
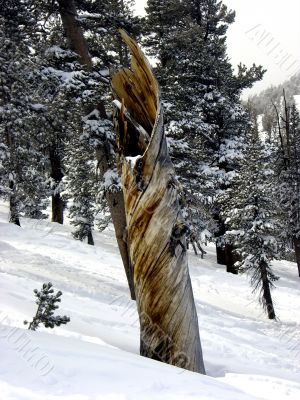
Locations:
(168, 318)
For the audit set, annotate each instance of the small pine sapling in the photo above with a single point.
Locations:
(47, 304)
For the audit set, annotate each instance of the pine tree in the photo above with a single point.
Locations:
(74, 50)
(82, 185)
(288, 169)
(23, 161)
(64, 86)
(100, 22)
(47, 304)
(253, 220)
(295, 181)
(204, 116)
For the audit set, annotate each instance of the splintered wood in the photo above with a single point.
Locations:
(137, 87)
(155, 229)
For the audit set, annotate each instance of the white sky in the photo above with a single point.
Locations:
(265, 32)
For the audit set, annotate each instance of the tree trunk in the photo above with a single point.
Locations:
(200, 248)
(195, 249)
(297, 252)
(90, 238)
(267, 298)
(156, 231)
(226, 256)
(115, 201)
(78, 43)
(13, 206)
(220, 247)
(57, 209)
(231, 259)
(221, 254)
(57, 176)
(73, 31)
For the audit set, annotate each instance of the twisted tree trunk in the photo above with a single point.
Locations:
(156, 232)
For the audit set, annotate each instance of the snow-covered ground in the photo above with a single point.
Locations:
(96, 356)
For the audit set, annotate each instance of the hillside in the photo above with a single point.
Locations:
(263, 101)
(96, 356)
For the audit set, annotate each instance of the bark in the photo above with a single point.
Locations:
(90, 238)
(268, 302)
(221, 255)
(282, 147)
(195, 249)
(13, 198)
(78, 43)
(116, 205)
(156, 232)
(115, 201)
(231, 259)
(57, 175)
(220, 249)
(297, 252)
(226, 256)
(200, 248)
(73, 31)
(13, 206)
(57, 209)
(194, 243)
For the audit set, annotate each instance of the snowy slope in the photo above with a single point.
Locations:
(96, 356)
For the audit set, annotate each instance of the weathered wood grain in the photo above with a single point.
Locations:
(156, 232)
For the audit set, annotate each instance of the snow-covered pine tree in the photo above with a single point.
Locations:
(62, 85)
(23, 162)
(82, 187)
(204, 117)
(295, 180)
(69, 89)
(100, 23)
(287, 140)
(90, 28)
(253, 220)
(47, 303)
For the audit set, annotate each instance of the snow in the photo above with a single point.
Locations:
(297, 101)
(65, 77)
(132, 161)
(111, 180)
(95, 356)
(104, 72)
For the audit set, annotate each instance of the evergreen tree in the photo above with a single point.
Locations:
(47, 304)
(63, 84)
(288, 169)
(23, 160)
(100, 23)
(295, 177)
(253, 220)
(205, 119)
(82, 185)
(86, 27)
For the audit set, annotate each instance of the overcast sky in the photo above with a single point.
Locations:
(265, 32)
